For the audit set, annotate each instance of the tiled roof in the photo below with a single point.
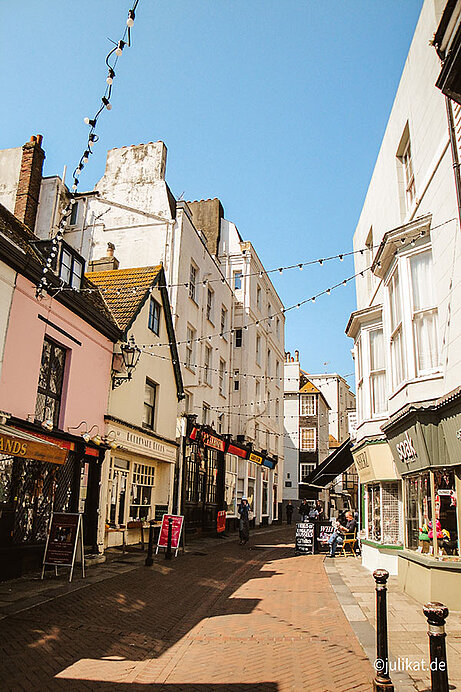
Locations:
(124, 290)
(309, 388)
(333, 442)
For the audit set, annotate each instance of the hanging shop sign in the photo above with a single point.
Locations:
(255, 458)
(213, 442)
(238, 451)
(61, 545)
(19, 444)
(221, 522)
(176, 529)
(304, 538)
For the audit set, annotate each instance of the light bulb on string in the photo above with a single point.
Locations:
(106, 102)
(120, 47)
(89, 121)
(130, 20)
(110, 76)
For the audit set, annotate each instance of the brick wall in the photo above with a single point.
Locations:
(30, 178)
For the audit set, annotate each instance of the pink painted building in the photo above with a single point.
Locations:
(54, 387)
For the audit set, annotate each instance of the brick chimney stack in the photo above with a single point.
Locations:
(105, 264)
(30, 179)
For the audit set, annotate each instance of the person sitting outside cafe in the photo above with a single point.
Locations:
(337, 537)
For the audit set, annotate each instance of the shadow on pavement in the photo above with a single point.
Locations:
(136, 616)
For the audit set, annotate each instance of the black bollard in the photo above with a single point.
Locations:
(168, 553)
(382, 681)
(150, 546)
(436, 614)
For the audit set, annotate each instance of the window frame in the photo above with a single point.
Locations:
(193, 281)
(302, 444)
(46, 391)
(209, 304)
(302, 409)
(154, 316)
(150, 423)
(207, 364)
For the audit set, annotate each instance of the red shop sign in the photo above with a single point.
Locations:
(221, 522)
(212, 441)
(237, 451)
(176, 528)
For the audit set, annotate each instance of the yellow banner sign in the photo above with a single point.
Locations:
(256, 458)
(19, 447)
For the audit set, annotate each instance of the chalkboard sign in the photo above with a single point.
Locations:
(160, 510)
(304, 538)
(61, 545)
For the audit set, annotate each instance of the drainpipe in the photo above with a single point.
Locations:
(454, 153)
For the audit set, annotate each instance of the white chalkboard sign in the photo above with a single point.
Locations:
(304, 538)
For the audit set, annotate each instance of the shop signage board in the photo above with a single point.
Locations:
(325, 530)
(176, 529)
(304, 538)
(28, 448)
(61, 544)
(160, 510)
(255, 458)
(221, 522)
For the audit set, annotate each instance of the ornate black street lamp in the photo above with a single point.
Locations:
(130, 355)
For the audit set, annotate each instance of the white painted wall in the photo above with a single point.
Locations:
(10, 166)
(420, 104)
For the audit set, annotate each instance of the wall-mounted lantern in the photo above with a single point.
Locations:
(130, 354)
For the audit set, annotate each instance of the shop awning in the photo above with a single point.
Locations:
(331, 467)
(17, 443)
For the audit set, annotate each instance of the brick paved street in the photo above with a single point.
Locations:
(223, 617)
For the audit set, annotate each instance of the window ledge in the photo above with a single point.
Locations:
(193, 301)
(429, 561)
(416, 380)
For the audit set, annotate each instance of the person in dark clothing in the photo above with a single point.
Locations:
(244, 528)
(289, 511)
(303, 510)
(319, 508)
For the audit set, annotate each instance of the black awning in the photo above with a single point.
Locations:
(331, 467)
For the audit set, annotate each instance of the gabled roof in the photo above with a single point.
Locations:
(125, 290)
(309, 388)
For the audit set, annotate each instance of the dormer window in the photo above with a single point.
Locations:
(70, 268)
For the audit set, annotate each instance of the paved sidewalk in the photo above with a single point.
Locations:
(220, 618)
(407, 626)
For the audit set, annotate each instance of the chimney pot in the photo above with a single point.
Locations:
(296, 356)
(30, 180)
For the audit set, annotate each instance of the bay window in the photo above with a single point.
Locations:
(377, 372)
(396, 340)
(424, 313)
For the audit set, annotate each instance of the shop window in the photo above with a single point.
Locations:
(390, 513)
(445, 512)
(141, 491)
(212, 475)
(118, 483)
(150, 400)
(374, 512)
(308, 407)
(251, 494)
(194, 472)
(418, 512)
(154, 316)
(230, 492)
(51, 375)
(265, 497)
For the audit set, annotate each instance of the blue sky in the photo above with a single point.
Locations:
(277, 107)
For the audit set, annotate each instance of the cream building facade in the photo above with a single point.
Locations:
(407, 335)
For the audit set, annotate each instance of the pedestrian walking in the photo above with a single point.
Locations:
(303, 509)
(245, 512)
(289, 511)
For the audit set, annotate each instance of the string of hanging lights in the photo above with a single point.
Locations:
(112, 57)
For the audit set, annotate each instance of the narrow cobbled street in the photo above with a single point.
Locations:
(221, 617)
